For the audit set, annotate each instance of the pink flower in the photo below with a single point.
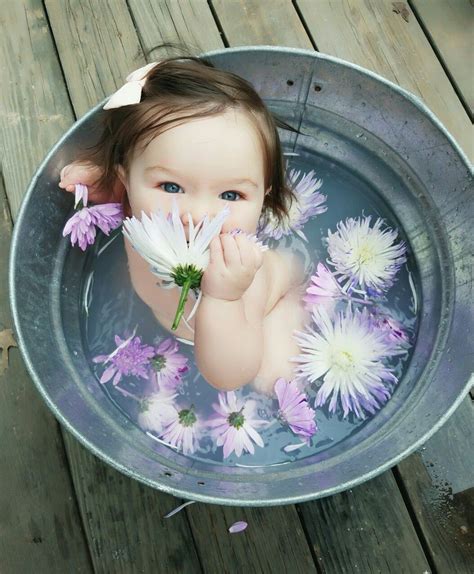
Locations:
(294, 409)
(323, 290)
(168, 366)
(182, 430)
(82, 225)
(130, 357)
(233, 426)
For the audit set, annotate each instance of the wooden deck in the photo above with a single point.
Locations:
(64, 510)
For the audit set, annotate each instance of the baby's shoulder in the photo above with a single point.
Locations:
(283, 270)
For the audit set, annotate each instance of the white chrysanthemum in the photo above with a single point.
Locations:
(347, 352)
(365, 257)
(161, 241)
(307, 203)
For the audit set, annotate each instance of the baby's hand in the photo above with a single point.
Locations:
(88, 174)
(234, 261)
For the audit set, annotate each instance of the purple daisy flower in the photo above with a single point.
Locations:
(130, 358)
(307, 203)
(107, 216)
(323, 289)
(182, 430)
(348, 352)
(82, 225)
(392, 328)
(233, 426)
(365, 257)
(294, 409)
(168, 366)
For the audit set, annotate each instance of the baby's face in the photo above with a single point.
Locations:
(205, 164)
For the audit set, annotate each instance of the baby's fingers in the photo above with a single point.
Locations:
(216, 256)
(250, 254)
(231, 250)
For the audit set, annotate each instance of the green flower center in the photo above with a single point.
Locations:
(183, 273)
(186, 417)
(236, 419)
(158, 362)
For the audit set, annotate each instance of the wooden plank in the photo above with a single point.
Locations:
(274, 540)
(190, 21)
(438, 483)
(252, 22)
(243, 22)
(40, 523)
(449, 25)
(364, 529)
(370, 34)
(124, 520)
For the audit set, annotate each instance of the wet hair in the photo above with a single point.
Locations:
(176, 90)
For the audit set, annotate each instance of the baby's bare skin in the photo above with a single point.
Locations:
(274, 298)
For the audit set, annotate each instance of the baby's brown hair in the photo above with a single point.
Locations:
(178, 89)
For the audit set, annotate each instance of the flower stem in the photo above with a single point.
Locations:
(182, 301)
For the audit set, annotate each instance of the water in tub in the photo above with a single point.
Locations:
(335, 355)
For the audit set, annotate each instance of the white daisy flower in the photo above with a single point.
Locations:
(182, 431)
(307, 203)
(161, 241)
(157, 411)
(365, 257)
(348, 353)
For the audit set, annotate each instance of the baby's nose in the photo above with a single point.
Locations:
(197, 213)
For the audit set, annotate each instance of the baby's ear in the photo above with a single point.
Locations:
(120, 170)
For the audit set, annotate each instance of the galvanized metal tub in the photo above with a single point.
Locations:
(415, 166)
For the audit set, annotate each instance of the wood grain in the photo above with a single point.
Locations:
(449, 25)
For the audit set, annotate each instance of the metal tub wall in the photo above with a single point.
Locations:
(363, 123)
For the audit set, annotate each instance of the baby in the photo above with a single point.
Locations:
(203, 136)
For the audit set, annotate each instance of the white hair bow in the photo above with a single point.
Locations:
(131, 91)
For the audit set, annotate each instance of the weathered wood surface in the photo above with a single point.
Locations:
(449, 24)
(122, 519)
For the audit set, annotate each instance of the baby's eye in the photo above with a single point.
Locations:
(231, 195)
(172, 187)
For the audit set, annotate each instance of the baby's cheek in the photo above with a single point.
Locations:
(143, 202)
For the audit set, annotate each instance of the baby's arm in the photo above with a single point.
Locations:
(228, 344)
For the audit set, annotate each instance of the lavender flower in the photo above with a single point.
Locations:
(348, 353)
(307, 203)
(82, 225)
(392, 329)
(294, 409)
(167, 366)
(182, 430)
(365, 257)
(323, 289)
(233, 426)
(130, 358)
